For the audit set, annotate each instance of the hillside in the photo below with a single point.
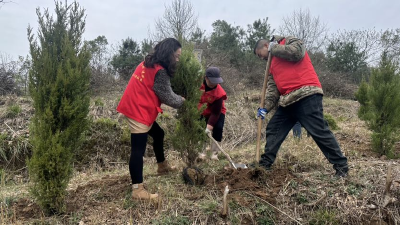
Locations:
(300, 189)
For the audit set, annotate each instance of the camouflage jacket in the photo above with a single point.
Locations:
(293, 50)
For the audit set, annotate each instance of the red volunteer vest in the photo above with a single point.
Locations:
(139, 102)
(209, 97)
(290, 76)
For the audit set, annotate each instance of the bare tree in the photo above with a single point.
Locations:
(390, 40)
(368, 42)
(2, 2)
(309, 29)
(178, 21)
(8, 75)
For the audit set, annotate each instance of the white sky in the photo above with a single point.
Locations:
(119, 19)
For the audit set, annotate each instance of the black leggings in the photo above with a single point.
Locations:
(138, 146)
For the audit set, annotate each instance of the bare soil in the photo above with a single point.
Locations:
(261, 183)
(99, 193)
(84, 198)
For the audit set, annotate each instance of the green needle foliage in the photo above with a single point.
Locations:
(58, 85)
(380, 105)
(189, 137)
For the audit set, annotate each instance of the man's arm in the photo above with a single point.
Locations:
(272, 97)
(293, 50)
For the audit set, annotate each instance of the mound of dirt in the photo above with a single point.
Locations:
(193, 176)
(259, 182)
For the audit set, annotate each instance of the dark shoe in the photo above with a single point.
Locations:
(266, 167)
(341, 172)
(255, 165)
(252, 165)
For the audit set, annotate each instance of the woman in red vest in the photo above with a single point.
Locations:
(214, 96)
(148, 87)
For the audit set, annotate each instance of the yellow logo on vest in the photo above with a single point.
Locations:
(141, 77)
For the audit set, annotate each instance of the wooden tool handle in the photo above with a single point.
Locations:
(262, 106)
(226, 154)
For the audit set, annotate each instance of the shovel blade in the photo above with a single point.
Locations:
(240, 165)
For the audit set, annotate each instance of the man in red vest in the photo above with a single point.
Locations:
(294, 87)
(214, 96)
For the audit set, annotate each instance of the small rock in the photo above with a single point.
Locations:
(372, 206)
(383, 157)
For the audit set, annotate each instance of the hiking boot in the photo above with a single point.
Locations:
(139, 193)
(164, 168)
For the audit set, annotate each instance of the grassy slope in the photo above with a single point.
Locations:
(310, 195)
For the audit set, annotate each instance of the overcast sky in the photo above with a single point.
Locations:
(119, 19)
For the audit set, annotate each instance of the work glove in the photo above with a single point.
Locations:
(271, 44)
(261, 112)
(208, 131)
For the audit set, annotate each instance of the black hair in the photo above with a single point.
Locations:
(163, 54)
(259, 44)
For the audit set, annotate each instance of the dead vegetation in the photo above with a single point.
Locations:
(300, 189)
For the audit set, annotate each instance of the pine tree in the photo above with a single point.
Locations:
(127, 58)
(58, 85)
(380, 105)
(189, 136)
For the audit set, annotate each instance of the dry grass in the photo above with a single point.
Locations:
(14, 122)
(310, 196)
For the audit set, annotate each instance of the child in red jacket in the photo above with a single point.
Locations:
(214, 96)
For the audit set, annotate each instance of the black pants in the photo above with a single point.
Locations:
(138, 146)
(309, 113)
(218, 128)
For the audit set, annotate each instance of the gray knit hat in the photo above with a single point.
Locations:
(212, 73)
